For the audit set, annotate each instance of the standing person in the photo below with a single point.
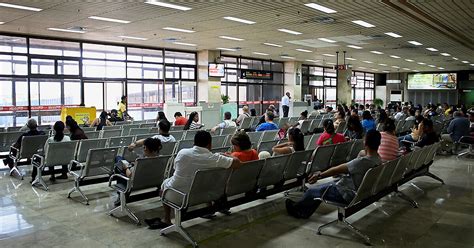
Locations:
(122, 108)
(180, 120)
(340, 190)
(295, 143)
(242, 147)
(227, 123)
(268, 125)
(458, 127)
(101, 121)
(76, 132)
(368, 122)
(330, 136)
(388, 149)
(245, 114)
(193, 122)
(285, 104)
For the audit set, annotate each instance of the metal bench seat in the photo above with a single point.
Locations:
(30, 145)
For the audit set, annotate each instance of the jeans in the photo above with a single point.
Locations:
(286, 109)
(308, 205)
(406, 137)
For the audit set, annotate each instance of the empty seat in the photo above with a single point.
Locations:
(229, 130)
(272, 171)
(321, 158)
(244, 179)
(357, 146)
(111, 127)
(220, 149)
(255, 137)
(246, 123)
(383, 181)
(283, 121)
(120, 141)
(178, 135)
(218, 141)
(267, 146)
(340, 153)
(137, 131)
(88, 129)
(7, 139)
(297, 164)
(190, 134)
(13, 129)
(110, 133)
(312, 142)
(145, 136)
(148, 125)
(341, 127)
(269, 135)
(402, 165)
(92, 134)
(293, 120)
(183, 144)
(305, 126)
(126, 128)
(86, 145)
(167, 148)
(176, 128)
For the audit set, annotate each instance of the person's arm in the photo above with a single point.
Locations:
(236, 164)
(282, 145)
(320, 140)
(108, 123)
(135, 144)
(282, 150)
(451, 126)
(334, 171)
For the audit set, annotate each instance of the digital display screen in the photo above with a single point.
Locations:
(434, 81)
(216, 70)
(254, 74)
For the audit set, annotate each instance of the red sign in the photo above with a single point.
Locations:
(145, 105)
(340, 67)
(35, 108)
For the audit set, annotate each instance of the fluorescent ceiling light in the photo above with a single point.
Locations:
(355, 47)
(273, 45)
(311, 60)
(320, 8)
(15, 6)
(230, 38)
(465, 62)
(394, 35)
(383, 64)
(287, 57)
(407, 69)
(351, 59)
(421, 63)
(2, 23)
(327, 40)
(441, 68)
(409, 60)
(259, 53)
(432, 49)
(363, 24)
(416, 43)
(373, 69)
(131, 37)
(416, 70)
(368, 62)
(330, 63)
(455, 58)
(105, 19)
(235, 19)
(394, 66)
(328, 54)
(184, 44)
(386, 71)
(376, 52)
(179, 30)
(289, 31)
(361, 67)
(433, 66)
(445, 54)
(394, 56)
(471, 64)
(226, 49)
(67, 30)
(168, 5)
(303, 50)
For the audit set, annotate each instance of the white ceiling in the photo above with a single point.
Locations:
(445, 25)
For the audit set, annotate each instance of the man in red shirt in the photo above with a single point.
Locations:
(179, 119)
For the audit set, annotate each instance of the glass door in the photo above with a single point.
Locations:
(103, 95)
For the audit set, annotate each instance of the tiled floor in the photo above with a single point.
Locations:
(33, 217)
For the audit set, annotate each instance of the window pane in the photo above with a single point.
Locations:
(145, 55)
(134, 93)
(144, 71)
(169, 92)
(72, 92)
(181, 58)
(232, 92)
(329, 72)
(103, 51)
(42, 66)
(11, 44)
(359, 95)
(277, 66)
(152, 93)
(54, 47)
(6, 93)
(13, 65)
(68, 67)
(187, 73)
(330, 96)
(188, 92)
(114, 94)
(94, 95)
(172, 72)
(101, 69)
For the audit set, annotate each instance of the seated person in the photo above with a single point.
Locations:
(388, 149)
(242, 148)
(245, 114)
(416, 131)
(354, 128)
(101, 121)
(429, 136)
(186, 163)
(340, 118)
(458, 127)
(114, 116)
(303, 117)
(151, 149)
(340, 190)
(268, 125)
(295, 143)
(368, 122)
(193, 122)
(180, 120)
(32, 125)
(225, 124)
(76, 132)
(329, 135)
(164, 136)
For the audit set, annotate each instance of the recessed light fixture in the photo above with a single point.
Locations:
(394, 56)
(416, 43)
(327, 40)
(303, 50)
(416, 70)
(273, 45)
(396, 67)
(432, 49)
(376, 52)
(235, 19)
(179, 30)
(287, 57)
(67, 30)
(312, 60)
(230, 38)
(383, 64)
(259, 53)
(168, 5)
(465, 62)
(368, 62)
(105, 19)
(226, 49)
(441, 68)
(320, 8)
(455, 58)
(328, 54)
(184, 44)
(363, 24)
(355, 47)
(409, 60)
(394, 35)
(471, 64)
(2, 23)
(351, 59)
(289, 31)
(361, 67)
(445, 54)
(15, 6)
(433, 66)
(131, 37)
(421, 63)
(407, 69)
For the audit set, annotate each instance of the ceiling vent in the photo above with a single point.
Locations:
(78, 28)
(324, 20)
(172, 39)
(236, 48)
(377, 37)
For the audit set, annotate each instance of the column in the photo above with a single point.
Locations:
(209, 88)
(344, 87)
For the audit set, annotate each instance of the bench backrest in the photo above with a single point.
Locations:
(283, 121)
(305, 126)
(269, 135)
(86, 145)
(246, 122)
(190, 134)
(126, 128)
(137, 131)
(92, 134)
(244, 179)
(208, 185)
(183, 144)
(267, 146)
(177, 128)
(340, 153)
(384, 179)
(99, 162)
(167, 148)
(357, 146)
(60, 153)
(144, 136)
(31, 144)
(365, 189)
(14, 129)
(255, 137)
(312, 142)
(218, 141)
(297, 164)
(120, 141)
(293, 120)
(255, 121)
(341, 127)
(425, 151)
(147, 125)
(149, 173)
(414, 159)
(272, 171)
(431, 155)
(7, 139)
(315, 124)
(402, 165)
(178, 135)
(321, 158)
(111, 127)
(220, 149)
(228, 130)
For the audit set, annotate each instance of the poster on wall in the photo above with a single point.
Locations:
(435, 81)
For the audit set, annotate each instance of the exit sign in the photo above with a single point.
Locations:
(341, 67)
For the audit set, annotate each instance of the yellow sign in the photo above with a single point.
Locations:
(80, 114)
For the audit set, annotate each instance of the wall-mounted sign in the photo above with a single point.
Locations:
(396, 81)
(255, 74)
(341, 67)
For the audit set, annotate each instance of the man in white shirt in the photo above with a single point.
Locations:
(164, 136)
(226, 123)
(187, 162)
(285, 104)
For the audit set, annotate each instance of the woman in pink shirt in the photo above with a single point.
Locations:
(388, 149)
(330, 136)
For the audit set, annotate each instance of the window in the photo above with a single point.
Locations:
(180, 58)
(103, 51)
(187, 73)
(54, 47)
(188, 92)
(72, 92)
(144, 55)
(11, 44)
(172, 72)
(103, 69)
(144, 71)
(68, 67)
(42, 66)
(13, 65)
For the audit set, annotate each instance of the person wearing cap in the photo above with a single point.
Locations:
(32, 125)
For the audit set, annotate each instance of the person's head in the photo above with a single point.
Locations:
(353, 124)
(161, 116)
(103, 115)
(329, 109)
(203, 139)
(193, 117)
(389, 126)
(405, 110)
(253, 112)
(245, 109)
(304, 115)
(341, 115)
(382, 116)
(372, 140)
(113, 113)
(264, 155)
(58, 131)
(32, 124)
(288, 94)
(328, 126)
(296, 136)
(412, 112)
(427, 125)
(361, 107)
(458, 114)
(124, 99)
(366, 115)
(177, 114)
(241, 142)
(151, 147)
(164, 126)
(417, 112)
(269, 116)
(227, 115)
(71, 124)
(354, 112)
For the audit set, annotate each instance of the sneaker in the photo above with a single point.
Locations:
(63, 176)
(290, 208)
(159, 225)
(152, 221)
(225, 211)
(208, 216)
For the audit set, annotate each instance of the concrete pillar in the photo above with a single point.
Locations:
(293, 79)
(209, 88)
(344, 88)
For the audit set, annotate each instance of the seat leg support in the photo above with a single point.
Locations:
(435, 177)
(125, 209)
(78, 189)
(407, 198)
(356, 231)
(320, 228)
(177, 227)
(14, 170)
(39, 179)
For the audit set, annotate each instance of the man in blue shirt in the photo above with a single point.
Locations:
(268, 125)
(458, 127)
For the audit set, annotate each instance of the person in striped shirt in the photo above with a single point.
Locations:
(389, 147)
(193, 122)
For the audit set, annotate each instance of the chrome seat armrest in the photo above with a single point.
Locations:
(113, 176)
(37, 160)
(170, 203)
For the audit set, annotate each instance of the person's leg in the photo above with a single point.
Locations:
(167, 218)
(309, 203)
(446, 142)
(285, 110)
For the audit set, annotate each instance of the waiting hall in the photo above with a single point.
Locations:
(232, 123)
